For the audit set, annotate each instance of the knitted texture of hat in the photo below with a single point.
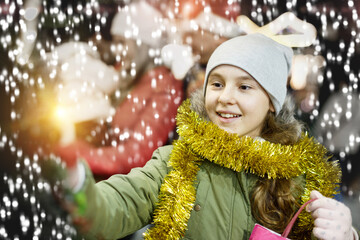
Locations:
(267, 61)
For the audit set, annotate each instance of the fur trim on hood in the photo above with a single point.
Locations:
(197, 101)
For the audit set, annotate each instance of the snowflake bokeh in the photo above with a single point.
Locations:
(329, 102)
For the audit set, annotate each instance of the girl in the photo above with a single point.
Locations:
(241, 159)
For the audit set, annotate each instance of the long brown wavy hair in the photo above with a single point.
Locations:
(274, 201)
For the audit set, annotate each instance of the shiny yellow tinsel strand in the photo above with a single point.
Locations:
(177, 196)
(327, 174)
(265, 159)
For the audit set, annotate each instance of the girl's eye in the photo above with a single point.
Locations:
(216, 84)
(245, 87)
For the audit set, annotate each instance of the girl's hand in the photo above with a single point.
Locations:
(70, 154)
(332, 219)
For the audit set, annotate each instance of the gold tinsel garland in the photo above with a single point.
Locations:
(201, 140)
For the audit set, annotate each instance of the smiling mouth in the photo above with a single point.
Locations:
(228, 115)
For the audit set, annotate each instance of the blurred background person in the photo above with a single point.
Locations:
(145, 100)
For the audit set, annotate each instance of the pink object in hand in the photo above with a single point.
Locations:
(260, 232)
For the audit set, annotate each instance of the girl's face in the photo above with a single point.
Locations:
(235, 101)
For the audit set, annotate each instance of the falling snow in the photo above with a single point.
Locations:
(33, 29)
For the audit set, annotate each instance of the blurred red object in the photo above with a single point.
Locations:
(70, 153)
(225, 10)
(141, 124)
(189, 9)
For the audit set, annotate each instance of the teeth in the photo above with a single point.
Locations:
(228, 115)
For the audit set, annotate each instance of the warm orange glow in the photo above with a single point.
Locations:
(60, 112)
(189, 9)
(65, 124)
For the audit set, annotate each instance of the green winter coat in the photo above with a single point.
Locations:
(123, 204)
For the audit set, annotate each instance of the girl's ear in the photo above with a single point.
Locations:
(272, 109)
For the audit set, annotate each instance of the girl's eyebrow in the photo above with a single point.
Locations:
(243, 78)
(215, 75)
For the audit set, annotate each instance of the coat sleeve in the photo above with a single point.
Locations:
(123, 204)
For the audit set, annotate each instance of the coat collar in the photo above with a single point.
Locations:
(257, 156)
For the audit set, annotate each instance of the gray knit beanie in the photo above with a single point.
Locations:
(267, 61)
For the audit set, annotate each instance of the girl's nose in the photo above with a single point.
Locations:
(227, 96)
